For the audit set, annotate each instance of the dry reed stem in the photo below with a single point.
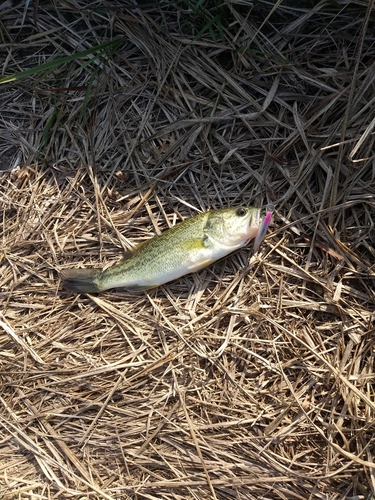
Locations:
(251, 379)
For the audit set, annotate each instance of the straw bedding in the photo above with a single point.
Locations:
(252, 378)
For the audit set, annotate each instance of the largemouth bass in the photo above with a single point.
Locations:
(186, 247)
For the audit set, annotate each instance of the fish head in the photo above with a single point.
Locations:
(233, 227)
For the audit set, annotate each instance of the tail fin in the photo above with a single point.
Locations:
(81, 280)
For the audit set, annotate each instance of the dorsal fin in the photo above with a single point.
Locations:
(126, 254)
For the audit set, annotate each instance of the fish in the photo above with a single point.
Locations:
(263, 228)
(187, 247)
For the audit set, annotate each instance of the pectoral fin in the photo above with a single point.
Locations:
(197, 254)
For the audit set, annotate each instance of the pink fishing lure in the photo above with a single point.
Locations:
(263, 228)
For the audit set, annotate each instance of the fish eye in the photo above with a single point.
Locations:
(241, 211)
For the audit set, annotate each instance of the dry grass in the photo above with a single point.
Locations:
(251, 379)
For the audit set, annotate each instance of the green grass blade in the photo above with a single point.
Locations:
(209, 27)
(50, 123)
(62, 60)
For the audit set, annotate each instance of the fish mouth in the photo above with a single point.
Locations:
(258, 218)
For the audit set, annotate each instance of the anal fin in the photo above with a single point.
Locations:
(197, 266)
(139, 288)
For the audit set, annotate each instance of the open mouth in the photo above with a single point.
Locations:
(263, 227)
